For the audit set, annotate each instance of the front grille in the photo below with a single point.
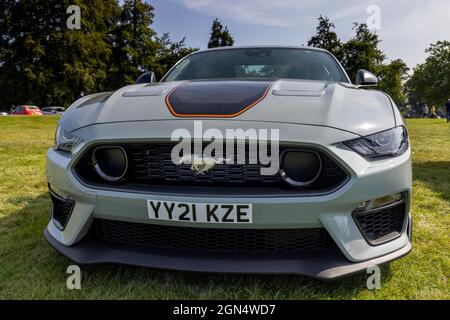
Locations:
(211, 239)
(151, 165)
(381, 225)
(62, 209)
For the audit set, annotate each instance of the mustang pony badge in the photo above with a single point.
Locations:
(201, 165)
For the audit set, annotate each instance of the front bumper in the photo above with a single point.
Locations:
(369, 180)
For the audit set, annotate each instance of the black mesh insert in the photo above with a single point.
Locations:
(211, 239)
(151, 165)
(381, 225)
(62, 209)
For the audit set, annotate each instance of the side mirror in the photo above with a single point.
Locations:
(365, 78)
(147, 77)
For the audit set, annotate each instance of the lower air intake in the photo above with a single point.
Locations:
(381, 225)
(61, 210)
(212, 239)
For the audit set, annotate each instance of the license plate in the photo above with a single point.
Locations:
(200, 212)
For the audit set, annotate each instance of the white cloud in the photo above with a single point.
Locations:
(260, 12)
(407, 26)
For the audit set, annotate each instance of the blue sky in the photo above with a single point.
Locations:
(407, 26)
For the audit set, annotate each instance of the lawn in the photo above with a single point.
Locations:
(31, 269)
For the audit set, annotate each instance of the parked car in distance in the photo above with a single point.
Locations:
(26, 110)
(3, 113)
(53, 111)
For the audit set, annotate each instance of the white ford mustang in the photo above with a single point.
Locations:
(240, 160)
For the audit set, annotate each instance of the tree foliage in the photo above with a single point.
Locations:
(430, 82)
(132, 43)
(41, 60)
(169, 53)
(326, 38)
(45, 63)
(362, 52)
(392, 76)
(220, 35)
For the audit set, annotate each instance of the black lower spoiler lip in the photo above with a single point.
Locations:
(327, 265)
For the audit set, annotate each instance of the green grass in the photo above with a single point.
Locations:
(31, 269)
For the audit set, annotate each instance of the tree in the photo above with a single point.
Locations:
(430, 82)
(133, 45)
(84, 56)
(169, 53)
(220, 36)
(392, 77)
(326, 38)
(44, 62)
(362, 52)
(27, 33)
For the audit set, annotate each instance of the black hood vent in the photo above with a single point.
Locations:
(222, 99)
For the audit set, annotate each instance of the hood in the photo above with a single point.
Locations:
(318, 103)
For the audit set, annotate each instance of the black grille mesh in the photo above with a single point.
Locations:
(382, 225)
(211, 239)
(151, 165)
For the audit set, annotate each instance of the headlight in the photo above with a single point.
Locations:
(391, 142)
(64, 140)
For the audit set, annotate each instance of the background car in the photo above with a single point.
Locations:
(53, 111)
(26, 110)
(3, 113)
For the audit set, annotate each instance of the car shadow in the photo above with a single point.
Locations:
(192, 285)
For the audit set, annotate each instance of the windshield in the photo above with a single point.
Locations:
(258, 63)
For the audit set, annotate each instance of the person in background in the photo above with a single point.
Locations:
(447, 110)
(425, 111)
(433, 112)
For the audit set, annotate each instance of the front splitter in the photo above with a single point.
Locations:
(327, 265)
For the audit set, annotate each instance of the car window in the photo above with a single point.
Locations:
(258, 63)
